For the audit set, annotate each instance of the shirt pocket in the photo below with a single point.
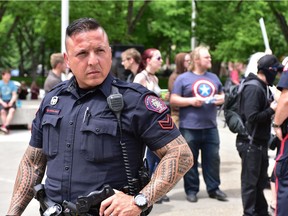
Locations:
(51, 133)
(99, 142)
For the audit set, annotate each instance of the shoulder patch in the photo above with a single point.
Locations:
(155, 104)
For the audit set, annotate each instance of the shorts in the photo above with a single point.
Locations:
(7, 109)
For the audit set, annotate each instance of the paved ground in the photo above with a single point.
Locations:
(13, 146)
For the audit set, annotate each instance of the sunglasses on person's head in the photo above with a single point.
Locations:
(276, 69)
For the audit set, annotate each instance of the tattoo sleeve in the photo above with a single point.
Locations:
(30, 173)
(176, 160)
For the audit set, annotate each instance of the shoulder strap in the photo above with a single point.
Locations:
(255, 83)
(241, 87)
(114, 89)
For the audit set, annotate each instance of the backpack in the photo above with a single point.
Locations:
(231, 106)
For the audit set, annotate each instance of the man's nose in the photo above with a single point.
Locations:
(93, 59)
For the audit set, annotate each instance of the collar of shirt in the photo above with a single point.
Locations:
(105, 87)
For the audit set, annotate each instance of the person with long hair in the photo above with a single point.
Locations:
(182, 61)
(150, 64)
(197, 93)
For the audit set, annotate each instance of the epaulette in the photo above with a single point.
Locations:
(59, 84)
(133, 86)
(56, 90)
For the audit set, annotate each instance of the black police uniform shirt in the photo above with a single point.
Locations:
(81, 138)
(283, 82)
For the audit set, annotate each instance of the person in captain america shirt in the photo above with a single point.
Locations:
(198, 93)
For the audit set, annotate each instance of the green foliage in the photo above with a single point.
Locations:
(163, 82)
(28, 80)
(232, 29)
(31, 30)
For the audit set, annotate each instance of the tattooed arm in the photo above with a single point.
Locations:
(30, 173)
(176, 160)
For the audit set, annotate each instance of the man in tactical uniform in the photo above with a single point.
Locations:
(280, 126)
(86, 140)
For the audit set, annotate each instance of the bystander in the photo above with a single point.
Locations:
(197, 93)
(54, 75)
(8, 92)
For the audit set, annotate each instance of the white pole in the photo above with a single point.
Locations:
(64, 22)
(193, 17)
(264, 34)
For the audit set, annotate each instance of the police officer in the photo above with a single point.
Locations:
(79, 134)
(280, 125)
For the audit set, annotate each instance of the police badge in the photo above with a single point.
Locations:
(54, 100)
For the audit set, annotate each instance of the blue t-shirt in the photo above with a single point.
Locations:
(203, 86)
(6, 90)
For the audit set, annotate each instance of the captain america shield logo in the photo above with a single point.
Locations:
(203, 89)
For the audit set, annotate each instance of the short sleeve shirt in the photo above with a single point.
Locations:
(80, 136)
(51, 81)
(6, 90)
(204, 87)
(283, 82)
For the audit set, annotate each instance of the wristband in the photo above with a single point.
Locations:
(275, 125)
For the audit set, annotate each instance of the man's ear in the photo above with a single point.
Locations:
(66, 60)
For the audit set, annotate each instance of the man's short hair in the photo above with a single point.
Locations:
(55, 59)
(82, 25)
(5, 71)
(132, 53)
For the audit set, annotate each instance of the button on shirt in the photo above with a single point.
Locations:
(80, 136)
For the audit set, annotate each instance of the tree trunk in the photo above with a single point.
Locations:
(132, 23)
(281, 20)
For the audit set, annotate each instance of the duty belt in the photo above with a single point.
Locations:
(85, 205)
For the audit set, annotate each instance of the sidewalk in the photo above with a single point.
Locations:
(14, 145)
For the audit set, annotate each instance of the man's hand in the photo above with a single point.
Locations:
(10, 104)
(219, 99)
(5, 105)
(120, 204)
(196, 102)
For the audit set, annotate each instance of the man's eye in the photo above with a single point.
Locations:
(100, 51)
(81, 54)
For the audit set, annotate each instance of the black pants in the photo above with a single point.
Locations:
(253, 178)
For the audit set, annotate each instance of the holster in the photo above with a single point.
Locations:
(47, 206)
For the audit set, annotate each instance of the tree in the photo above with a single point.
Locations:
(235, 34)
(31, 30)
